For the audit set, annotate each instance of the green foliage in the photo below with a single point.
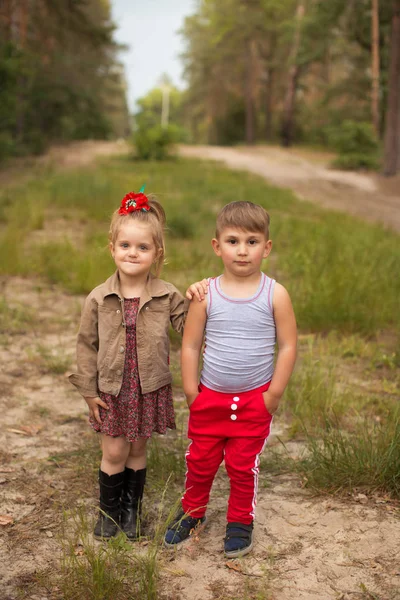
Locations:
(150, 106)
(370, 458)
(111, 571)
(155, 143)
(179, 226)
(240, 57)
(7, 145)
(356, 144)
(50, 360)
(315, 383)
(57, 78)
(352, 162)
(14, 319)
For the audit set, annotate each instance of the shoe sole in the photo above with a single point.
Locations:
(198, 528)
(239, 553)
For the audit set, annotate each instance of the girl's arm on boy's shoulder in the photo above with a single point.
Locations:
(286, 334)
(178, 308)
(191, 347)
(197, 290)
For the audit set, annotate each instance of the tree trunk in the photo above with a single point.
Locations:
(269, 104)
(248, 96)
(294, 72)
(375, 66)
(391, 151)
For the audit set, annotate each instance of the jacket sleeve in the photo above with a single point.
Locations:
(87, 346)
(179, 307)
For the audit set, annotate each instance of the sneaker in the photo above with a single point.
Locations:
(238, 540)
(181, 529)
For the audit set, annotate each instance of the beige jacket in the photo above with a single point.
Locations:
(102, 337)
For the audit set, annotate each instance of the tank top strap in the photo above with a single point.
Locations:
(211, 290)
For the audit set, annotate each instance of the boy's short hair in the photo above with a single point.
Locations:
(243, 215)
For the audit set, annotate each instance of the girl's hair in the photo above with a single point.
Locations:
(243, 215)
(155, 217)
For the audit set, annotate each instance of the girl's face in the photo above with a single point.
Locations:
(134, 250)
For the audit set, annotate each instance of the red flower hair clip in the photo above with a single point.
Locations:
(132, 202)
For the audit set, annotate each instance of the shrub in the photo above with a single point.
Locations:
(357, 145)
(155, 143)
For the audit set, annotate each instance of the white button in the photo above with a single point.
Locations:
(236, 399)
(147, 308)
(234, 406)
(118, 311)
(233, 417)
(121, 349)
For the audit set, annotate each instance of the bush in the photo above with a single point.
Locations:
(357, 145)
(155, 143)
(351, 162)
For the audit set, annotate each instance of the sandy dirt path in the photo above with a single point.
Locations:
(369, 196)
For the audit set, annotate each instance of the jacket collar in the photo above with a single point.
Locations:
(154, 288)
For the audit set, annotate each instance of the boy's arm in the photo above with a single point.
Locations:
(191, 347)
(286, 333)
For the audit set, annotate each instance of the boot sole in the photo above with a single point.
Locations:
(197, 529)
(102, 538)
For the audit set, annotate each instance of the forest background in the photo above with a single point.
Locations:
(294, 71)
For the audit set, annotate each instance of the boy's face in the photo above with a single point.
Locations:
(242, 252)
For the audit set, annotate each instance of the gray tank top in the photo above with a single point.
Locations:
(240, 339)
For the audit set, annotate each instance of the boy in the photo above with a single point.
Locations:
(245, 314)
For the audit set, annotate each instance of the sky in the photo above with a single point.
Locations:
(150, 29)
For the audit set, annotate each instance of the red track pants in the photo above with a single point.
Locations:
(230, 427)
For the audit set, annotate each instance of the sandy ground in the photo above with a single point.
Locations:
(306, 546)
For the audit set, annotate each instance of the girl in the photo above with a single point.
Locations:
(123, 355)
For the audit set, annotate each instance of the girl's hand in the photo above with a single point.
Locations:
(198, 289)
(271, 402)
(93, 404)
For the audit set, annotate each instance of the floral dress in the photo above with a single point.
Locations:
(132, 414)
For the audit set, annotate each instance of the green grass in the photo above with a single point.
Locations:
(116, 570)
(14, 319)
(369, 458)
(50, 360)
(339, 271)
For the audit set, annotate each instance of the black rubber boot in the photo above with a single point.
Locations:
(131, 502)
(107, 525)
